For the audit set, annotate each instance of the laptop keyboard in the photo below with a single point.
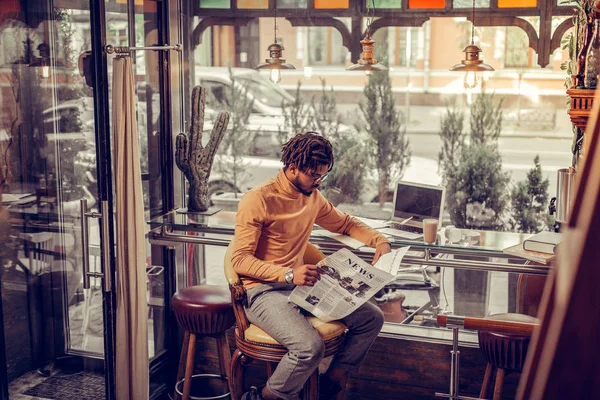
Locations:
(407, 228)
(401, 234)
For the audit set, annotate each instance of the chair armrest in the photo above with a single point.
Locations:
(239, 300)
(487, 324)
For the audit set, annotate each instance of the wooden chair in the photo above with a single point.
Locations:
(506, 351)
(252, 343)
(503, 340)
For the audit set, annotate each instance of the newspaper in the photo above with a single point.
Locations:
(346, 283)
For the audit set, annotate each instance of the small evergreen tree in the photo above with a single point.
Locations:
(453, 139)
(237, 140)
(477, 189)
(326, 119)
(385, 125)
(345, 182)
(297, 117)
(529, 201)
(486, 119)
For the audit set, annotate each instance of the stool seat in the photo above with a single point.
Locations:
(204, 309)
(327, 331)
(503, 350)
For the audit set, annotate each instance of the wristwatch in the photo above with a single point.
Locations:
(289, 276)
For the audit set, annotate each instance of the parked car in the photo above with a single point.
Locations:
(267, 97)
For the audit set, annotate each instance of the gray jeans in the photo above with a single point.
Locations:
(268, 308)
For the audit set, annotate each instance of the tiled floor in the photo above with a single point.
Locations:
(23, 384)
(61, 386)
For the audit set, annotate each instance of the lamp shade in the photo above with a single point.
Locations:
(472, 61)
(275, 61)
(367, 62)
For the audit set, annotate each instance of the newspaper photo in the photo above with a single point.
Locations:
(346, 283)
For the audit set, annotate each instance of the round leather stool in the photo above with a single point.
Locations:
(503, 351)
(203, 310)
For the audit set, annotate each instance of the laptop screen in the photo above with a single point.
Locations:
(417, 201)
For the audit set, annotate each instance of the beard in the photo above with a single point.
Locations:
(305, 191)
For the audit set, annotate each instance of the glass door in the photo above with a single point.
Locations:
(56, 256)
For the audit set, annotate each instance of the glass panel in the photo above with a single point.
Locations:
(426, 3)
(533, 106)
(215, 3)
(292, 3)
(331, 3)
(149, 112)
(384, 3)
(516, 3)
(469, 3)
(253, 4)
(324, 46)
(52, 324)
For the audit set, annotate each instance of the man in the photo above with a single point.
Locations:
(273, 225)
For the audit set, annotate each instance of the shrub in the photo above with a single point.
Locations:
(389, 146)
(238, 138)
(486, 120)
(477, 189)
(529, 201)
(453, 139)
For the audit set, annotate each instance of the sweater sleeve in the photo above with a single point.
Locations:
(250, 219)
(335, 220)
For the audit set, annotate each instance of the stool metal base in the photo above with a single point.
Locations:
(179, 386)
(454, 369)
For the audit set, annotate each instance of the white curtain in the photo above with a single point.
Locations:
(132, 307)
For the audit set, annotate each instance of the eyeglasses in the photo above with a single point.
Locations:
(317, 178)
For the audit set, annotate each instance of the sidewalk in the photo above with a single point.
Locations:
(541, 123)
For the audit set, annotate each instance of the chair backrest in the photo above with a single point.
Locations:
(529, 293)
(232, 277)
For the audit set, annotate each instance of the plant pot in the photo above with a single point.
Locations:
(227, 201)
(581, 106)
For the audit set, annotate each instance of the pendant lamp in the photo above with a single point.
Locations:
(367, 61)
(275, 63)
(472, 65)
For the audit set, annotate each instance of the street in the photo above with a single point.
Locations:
(517, 154)
(518, 145)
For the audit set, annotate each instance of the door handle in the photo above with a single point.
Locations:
(106, 253)
(84, 214)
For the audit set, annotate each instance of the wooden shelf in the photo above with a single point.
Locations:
(581, 106)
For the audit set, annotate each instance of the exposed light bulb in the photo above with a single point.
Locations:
(275, 75)
(471, 79)
(45, 72)
(368, 72)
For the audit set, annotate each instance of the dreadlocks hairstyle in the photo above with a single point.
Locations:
(307, 151)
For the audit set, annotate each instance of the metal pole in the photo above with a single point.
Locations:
(454, 364)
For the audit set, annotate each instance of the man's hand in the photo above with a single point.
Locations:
(306, 275)
(381, 249)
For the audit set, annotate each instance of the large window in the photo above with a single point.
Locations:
(503, 110)
(324, 46)
(517, 53)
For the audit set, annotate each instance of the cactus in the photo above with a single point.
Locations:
(194, 160)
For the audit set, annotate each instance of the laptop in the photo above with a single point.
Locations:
(414, 202)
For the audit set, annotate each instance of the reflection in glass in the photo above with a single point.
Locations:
(292, 3)
(48, 156)
(214, 3)
(384, 3)
(469, 3)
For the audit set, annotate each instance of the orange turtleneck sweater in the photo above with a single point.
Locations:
(273, 225)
